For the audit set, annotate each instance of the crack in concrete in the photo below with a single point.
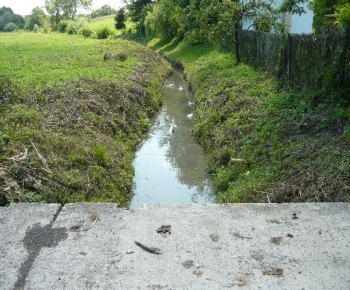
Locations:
(36, 238)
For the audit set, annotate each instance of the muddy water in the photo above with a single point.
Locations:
(170, 165)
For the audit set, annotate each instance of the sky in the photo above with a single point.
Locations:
(24, 7)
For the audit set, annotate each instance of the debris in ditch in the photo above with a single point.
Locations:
(149, 249)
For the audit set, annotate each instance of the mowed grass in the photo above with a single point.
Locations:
(100, 23)
(109, 22)
(293, 149)
(36, 60)
(74, 109)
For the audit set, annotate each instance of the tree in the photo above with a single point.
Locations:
(216, 20)
(7, 16)
(37, 17)
(103, 11)
(326, 12)
(120, 19)
(64, 9)
(4, 10)
(166, 19)
(137, 13)
(344, 15)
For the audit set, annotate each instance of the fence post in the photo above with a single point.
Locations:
(288, 57)
(258, 48)
(345, 56)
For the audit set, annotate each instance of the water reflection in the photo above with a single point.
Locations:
(170, 166)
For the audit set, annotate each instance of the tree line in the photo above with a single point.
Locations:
(221, 21)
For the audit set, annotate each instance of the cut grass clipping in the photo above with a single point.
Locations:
(294, 148)
(72, 112)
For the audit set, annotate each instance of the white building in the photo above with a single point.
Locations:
(300, 24)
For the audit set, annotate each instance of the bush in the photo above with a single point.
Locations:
(86, 32)
(46, 28)
(104, 33)
(62, 26)
(344, 17)
(36, 28)
(74, 26)
(10, 27)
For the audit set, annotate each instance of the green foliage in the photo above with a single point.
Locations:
(87, 32)
(103, 11)
(344, 17)
(70, 120)
(120, 19)
(36, 28)
(7, 16)
(220, 22)
(104, 33)
(10, 27)
(64, 9)
(295, 144)
(326, 13)
(37, 17)
(166, 20)
(62, 26)
(74, 26)
(138, 10)
(100, 154)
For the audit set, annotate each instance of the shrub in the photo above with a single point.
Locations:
(74, 26)
(46, 28)
(104, 33)
(10, 27)
(86, 31)
(62, 26)
(36, 28)
(100, 154)
(344, 17)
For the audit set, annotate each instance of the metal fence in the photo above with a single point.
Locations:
(296, 58)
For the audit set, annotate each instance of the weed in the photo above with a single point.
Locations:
(295, 143)
(71, 132)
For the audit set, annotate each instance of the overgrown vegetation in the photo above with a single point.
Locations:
(73, 111)
(295, 145)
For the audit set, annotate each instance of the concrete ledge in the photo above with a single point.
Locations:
(245, 246)
(15, 221)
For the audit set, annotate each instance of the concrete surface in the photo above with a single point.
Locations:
(233, 246)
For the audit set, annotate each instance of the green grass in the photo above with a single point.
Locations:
(295, 149)
(109, 22)
(42, 59)
(78, 107)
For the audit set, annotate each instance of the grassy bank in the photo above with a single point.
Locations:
(295, 147)
(72, 111)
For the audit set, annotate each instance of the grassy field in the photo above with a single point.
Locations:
(72, 112)
(42, 59)
(294, 149)
(98, 24)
